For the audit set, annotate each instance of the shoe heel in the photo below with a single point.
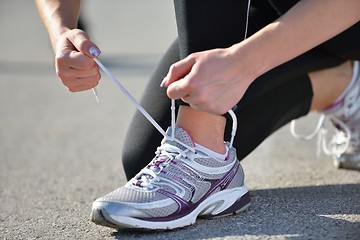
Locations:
(240, 205)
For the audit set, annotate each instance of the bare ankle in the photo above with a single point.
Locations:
(205, 129)
(329, 84)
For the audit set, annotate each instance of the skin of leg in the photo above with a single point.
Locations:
(204, 128)
(328, 84)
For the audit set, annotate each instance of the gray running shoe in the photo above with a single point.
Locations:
(180, 184)
(344, 117)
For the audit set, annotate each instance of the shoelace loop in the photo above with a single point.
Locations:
(339, 143)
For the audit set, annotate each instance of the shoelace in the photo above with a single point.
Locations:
(149, 174)
(347, 131)
(164, 155)
(150, 119)
(339, 143)
(147, 115)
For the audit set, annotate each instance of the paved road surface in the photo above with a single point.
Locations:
(59, 151)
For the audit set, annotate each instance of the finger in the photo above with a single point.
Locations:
(178, 71)
(81, 84)
(84, 73)
(70, 73)
(82, 43)
(200, 106)
(179, 89)
(75, 60)
(191, 97)
(80, 88)
(186, 99)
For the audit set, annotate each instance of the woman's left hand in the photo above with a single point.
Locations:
(212, 81)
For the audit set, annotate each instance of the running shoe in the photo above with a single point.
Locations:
(344, 119)
(180, 184)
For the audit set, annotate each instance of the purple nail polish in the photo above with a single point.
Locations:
(94, 51)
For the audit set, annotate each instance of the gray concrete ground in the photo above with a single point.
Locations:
(59, 151)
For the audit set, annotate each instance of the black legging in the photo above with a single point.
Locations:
(274, 99)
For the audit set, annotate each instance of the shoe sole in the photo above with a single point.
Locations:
(224, 203)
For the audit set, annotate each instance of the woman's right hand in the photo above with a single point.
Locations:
(74, 62)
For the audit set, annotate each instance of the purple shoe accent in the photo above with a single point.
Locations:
(186, 207)
(333, 105)
(223, 183)
(186, 191)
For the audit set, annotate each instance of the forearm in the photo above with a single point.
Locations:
(306, 25)
(58, 16)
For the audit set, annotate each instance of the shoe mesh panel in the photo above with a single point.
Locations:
(125, 194)
(187, 194)
(201, 188)
(163, 211)
(184, 137)
(213, 163)
(208, 175)
(238, 180)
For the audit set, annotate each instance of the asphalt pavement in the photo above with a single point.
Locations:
(59, 150)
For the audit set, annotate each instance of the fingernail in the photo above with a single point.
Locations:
(94, 51)
(162, 84)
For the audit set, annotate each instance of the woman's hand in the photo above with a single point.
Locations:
(212, 81)
(73, 59)
(215, 80)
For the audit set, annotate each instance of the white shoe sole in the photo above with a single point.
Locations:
(223, 203)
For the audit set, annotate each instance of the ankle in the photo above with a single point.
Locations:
(330, 84)
(204, 128)
(341, 99)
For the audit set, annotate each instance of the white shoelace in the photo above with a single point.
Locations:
(148, 175)
(165, 152)
(147, 115)
(151, 120)
(339, 143)
(164, 155)
(345, 122)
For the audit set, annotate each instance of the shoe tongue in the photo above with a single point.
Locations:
(182, 136)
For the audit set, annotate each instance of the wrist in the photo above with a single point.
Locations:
(248, 61)
(56, 35)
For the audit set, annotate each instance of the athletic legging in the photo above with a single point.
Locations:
(274, 99)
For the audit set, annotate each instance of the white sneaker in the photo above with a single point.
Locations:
(344, 116)
(179, 185)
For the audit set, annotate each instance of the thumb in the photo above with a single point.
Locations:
(178, 71)
(81, 41)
